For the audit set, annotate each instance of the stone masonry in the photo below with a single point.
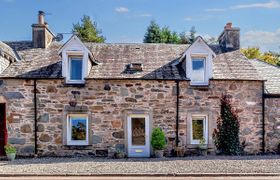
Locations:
(108, 103)
(272, 120)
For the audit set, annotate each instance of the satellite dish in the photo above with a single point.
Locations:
(59, 37)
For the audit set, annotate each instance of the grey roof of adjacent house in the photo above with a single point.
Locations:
(160, 61)
(269, 72)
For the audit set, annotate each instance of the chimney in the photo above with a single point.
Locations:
(41, 34)
(229, 40)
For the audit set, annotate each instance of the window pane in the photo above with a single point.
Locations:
(197, 129)
(198, 70)
(76, 69)
(79, 128)
(138, 131)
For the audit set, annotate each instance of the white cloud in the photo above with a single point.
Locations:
(145, 15)
(121, 9)
(215, 10)
(265, 40)
(188, 19)
(269, 5)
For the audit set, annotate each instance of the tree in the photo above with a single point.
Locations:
(165, 35)
(192, 36)
(252, 52)
(255, 53)
(153, 33)
(184, 39)
(226, 136)
(87, 31)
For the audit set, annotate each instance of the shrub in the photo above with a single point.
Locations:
(158, 139)
(226, 136)
(9, 149)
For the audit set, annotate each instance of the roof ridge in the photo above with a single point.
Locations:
(278, 67)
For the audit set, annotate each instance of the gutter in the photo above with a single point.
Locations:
(263, 119)
(177, 112)
(35, 118)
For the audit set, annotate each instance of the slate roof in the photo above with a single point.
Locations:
(160, 61)
(269, 72)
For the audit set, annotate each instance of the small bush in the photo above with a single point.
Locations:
(9, 149)
(158, 139)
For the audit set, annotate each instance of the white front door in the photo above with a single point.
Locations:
(138, 132)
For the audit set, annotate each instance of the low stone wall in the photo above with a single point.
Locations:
(108, 103)
(272, 123)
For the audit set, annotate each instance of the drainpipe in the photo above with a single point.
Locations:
(35, 118)
(177, 112)
(263, 119)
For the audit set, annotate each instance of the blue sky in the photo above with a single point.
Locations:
(127, 20)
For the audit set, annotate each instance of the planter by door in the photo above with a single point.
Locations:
(3, 132)
(138, 135)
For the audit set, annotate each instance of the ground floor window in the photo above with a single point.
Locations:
(77, 129)
(199, 129)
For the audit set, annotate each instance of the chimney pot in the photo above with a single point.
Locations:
(41, 35)
(41, 17)
(228, 25)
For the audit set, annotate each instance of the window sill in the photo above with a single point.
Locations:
(77, 147)
(70, 84)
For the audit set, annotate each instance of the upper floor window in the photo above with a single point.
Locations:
(198, 71)
(76, 68)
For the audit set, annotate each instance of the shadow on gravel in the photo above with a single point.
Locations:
(55, 160)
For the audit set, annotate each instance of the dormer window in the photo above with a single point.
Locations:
(198, 71)
(77, 61)
(76, 68)
(199, 59)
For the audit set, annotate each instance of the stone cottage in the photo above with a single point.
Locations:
(92, 99)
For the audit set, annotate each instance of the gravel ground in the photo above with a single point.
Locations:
(187, 165)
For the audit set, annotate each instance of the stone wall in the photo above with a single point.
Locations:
(18, 96)
(272, 123)
(109, 102)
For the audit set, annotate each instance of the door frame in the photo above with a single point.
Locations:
(5, 125)
(149, 123)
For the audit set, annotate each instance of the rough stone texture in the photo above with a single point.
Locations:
(109, 107)
(272, 122)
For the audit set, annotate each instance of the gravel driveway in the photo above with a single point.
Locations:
(175, 166)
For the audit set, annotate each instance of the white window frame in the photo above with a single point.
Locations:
(70, 54)
(70, 58)
(205, 80)
(205, 128)
(69, 131)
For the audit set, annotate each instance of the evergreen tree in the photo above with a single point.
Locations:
(184, 39)
(153, 34)
(165, 35)
(226, 137)
(192, 36)
(175, 39)
(87, 31)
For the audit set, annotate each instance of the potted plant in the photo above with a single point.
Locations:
(119, 154)
(10, 152)
(158, 142)
(202, 147)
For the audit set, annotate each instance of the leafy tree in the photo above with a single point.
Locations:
(211, 40)
(165, 35)
(175, 39)
(252, 52)
(153, 34)
(87, 31)
(226, 136)
(255, 53)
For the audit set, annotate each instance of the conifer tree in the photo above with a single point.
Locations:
(153, 34)
(87, 31)
(226, 137)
